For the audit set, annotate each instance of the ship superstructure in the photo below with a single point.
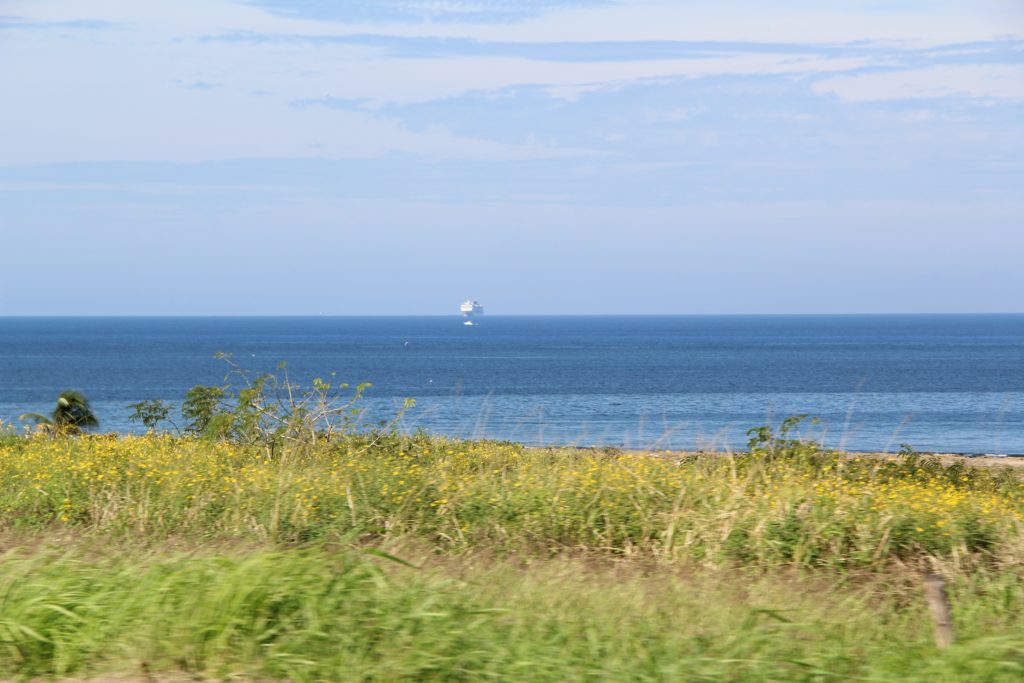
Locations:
(471, 308)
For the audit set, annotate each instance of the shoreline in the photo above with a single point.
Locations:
(981, 459)
(1011, 459)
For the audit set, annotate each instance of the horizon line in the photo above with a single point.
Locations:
(501, 315)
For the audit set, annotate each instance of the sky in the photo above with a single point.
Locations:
(279, 157)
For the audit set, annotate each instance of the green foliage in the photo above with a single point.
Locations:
(764, 440)
(201, 408)
(8, 435)
(738, 546)
(274, 413)
(785, 536)
(71, 415)
(149, 413)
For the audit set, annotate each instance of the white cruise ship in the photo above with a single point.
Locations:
(469, 309)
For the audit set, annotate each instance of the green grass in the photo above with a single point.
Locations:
(159, 558)
(316, 614)
(789, 505)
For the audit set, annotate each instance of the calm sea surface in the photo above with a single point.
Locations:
(948, 383)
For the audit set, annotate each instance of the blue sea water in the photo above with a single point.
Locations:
(952, 383)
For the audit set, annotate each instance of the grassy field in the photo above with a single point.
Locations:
(425, 559)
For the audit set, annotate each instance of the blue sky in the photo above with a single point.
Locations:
(543, 156)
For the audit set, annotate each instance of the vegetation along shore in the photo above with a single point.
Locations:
(253, 547)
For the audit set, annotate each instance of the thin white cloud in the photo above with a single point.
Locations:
(998, 81)
(411, 80)
(942, 21)
(184, 125)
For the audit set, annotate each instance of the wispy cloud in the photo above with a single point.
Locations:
(9, 22)
(487, 11)
(984, 82)
(200, 85)
(354, 104)
(426, 47)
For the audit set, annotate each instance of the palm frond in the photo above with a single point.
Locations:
(73, 410)
(38, 418)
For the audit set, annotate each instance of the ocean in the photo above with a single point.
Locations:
(949, 383)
